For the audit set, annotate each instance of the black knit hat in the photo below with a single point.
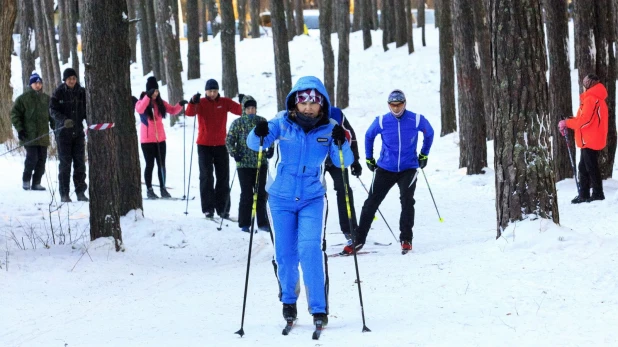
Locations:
(151, 83)
(212, 84)
(250, 103)
(68, 73)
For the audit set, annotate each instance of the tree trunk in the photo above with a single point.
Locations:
(41, 47)
(401, 25)
(374, 15)
(438, 12)
(560, 103)
(255, 19)
(193, 40)
(63, 34)
(525, 187)
(289, 16)
(365, 22)
(153, 38)
(228, 50)
(212, 15)
(7, 22)
(482, 42)
(132, 30)
(107, 69)
(326, 9)
(73, 34)
(447, 71)
(26, 37)
(421, 20)
(283, 75)
(357, 15)
(204, 19)
(299, 20)
(171, 56)
(144, 39)
(385, 19)
(242, 18)
(48, 9)
(343, 59)
(176, 31)
(472, 143)
(410, 28)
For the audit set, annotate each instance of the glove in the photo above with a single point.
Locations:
(68, 123)
(196, 98)
(150, 92)
(240, 97)
(261, 129)
(237, 158)
(182, 103)
(562, 126)
(422, 160)
(338, 134)
(270, 152)
(21, 135)
(371, 164)
(357, 169)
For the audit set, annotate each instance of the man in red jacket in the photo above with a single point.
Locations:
(212, 120)
(590, 126)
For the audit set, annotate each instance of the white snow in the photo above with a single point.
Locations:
(180, 281)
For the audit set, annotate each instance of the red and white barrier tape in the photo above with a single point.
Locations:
(101, 126)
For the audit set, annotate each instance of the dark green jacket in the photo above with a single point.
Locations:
(31, 113)
(236, 140)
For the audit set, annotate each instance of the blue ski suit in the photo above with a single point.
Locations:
(297, 203)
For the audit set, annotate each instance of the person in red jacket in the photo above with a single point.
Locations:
(212, 120)
(590, 126)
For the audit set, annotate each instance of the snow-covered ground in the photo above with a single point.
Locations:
(180, 281)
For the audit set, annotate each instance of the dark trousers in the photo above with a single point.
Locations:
(246, 177)
(589, 173)
(36, 156)
(72, 149)
(214, 197)
(336, 175)
(382, 183)
(154, 152)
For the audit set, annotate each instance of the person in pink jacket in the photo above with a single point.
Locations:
(152, 110)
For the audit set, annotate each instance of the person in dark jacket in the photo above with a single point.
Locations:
(246, 164)
(337, 176)
(305, 136)
(30, 117)
(211, 114)
(68, 107)
(398, 164)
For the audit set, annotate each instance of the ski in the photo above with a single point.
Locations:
(342, 254)
(404, 252)
(288, 327)
(382, 244)
(318, 330)
(168, 199)
(155, 185)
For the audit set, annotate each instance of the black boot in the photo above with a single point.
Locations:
(82, 197)
(37, 186)
(164, 193)
(578, 200)
(596, 195)
(151, 194)
(323, 317)
(65, 198)
(26, 185)
(289, 311)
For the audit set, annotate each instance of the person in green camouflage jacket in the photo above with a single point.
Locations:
(246, 164)
(30, 117)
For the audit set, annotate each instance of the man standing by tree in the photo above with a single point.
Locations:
(30, 117)
(68, 108)
(212, 119)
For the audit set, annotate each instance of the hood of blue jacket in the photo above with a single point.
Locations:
(308, 82)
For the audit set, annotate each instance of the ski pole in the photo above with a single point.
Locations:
(381, 215)
(347, 203)
(191, 162)
(228, 198)
(160, 164)
(566, 138)
(434, 200)
(184, 153)
(29, 142)
(241, 332)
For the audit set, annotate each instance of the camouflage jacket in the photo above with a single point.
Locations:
(236, 141)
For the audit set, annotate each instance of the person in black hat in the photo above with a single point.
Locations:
(68, 107)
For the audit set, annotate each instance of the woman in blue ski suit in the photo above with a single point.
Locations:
(305, 136)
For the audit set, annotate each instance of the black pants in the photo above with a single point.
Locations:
(72, 149)
(246, 176)
(154, 152)
(589, 173)
(335, 174)
(36, 156)
(383, 182)
(214, 197)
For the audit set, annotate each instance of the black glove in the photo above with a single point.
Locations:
(68, 123)
(338, 134)
(270, 152)
(422, 160)
(150, 92)
(182, 102)
(21, 135)
(196, 98)
(261, 129)
(240, 97)
(371, 164)
(357, 169)
(237, 158)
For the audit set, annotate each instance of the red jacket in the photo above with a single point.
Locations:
(591, 122)
(212, 119)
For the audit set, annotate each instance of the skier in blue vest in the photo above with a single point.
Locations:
(398, 164)
(305, 136)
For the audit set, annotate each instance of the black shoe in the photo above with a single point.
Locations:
(593, 197)
(65, 198)
(165, 194)
(210, 215)
(289, 311)
(82, 197)
(323, 317)
(579, 200)
(150, 194)
(37, 186)
(26, 185)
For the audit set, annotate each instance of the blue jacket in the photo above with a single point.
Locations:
(301, 156)
(399, 140)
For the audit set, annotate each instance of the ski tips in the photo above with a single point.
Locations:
(441, 220)
(365, 329)
(240, 332)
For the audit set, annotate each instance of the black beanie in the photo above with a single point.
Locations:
(212, 84)
(250, 103)
(68, 73)
(151, 83)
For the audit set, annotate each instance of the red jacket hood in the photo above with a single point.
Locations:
(598, 91)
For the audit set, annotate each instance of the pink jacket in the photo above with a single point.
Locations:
(154, 131)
